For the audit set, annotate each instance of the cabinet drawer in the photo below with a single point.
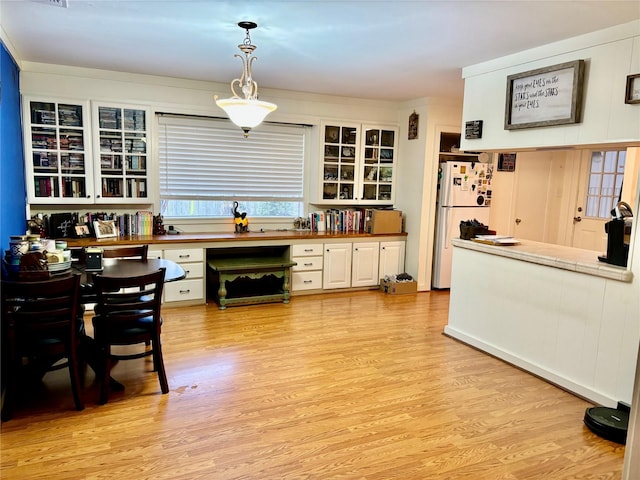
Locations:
(306, 280)
(154, 254)
(184, 290)
(193, 270)
(306, 250)
(307, 263)
(185, 255)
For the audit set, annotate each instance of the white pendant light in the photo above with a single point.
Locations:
(245, 111)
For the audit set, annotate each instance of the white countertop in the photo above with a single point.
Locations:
(557, 256)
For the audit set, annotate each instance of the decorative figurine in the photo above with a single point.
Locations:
(240, 219)
(158, 226)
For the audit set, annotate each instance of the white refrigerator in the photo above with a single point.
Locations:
(464, 194)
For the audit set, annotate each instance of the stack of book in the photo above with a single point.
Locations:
(338, 220)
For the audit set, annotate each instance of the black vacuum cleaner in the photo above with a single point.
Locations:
(609, 423)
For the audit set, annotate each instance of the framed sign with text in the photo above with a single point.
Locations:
(546, 96)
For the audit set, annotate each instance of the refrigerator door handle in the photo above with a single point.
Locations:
(447, 233)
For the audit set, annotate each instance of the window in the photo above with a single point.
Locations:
(605, 182)
(206, 164)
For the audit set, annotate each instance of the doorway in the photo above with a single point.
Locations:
(600, 181)
(564, 197)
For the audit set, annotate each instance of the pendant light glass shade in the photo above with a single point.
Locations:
(246, 111)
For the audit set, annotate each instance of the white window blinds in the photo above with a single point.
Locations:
(207, 159)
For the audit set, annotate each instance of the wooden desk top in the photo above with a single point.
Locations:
(205, 237)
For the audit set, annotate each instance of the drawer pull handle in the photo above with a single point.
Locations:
(308, 264)
(184, 292)
(184, 256)
(187, 272)
(308, 281)
(308, 249)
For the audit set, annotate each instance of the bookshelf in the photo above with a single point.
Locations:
(121, 144)
(57, 151)
(82, 152)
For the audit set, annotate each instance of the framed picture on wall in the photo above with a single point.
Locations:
(632, 93)
(507, 162)
(414, 120)
(545, 96)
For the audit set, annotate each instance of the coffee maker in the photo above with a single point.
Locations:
(618, 231)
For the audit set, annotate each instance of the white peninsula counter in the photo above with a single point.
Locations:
(554, 311)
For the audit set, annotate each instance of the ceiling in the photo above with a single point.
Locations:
(389, 50)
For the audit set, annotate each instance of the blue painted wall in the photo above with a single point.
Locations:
(13, 195)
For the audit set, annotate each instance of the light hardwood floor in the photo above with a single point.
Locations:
(342, 386)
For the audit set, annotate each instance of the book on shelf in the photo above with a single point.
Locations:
(337, 220)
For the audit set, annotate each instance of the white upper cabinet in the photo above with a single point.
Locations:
(121, 152)
(57, 151)
(77, 154)
(358, 164)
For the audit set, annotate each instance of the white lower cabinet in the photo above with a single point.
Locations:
(337, 265)
(391, 258)
(361, 264)
(154, 254)
(319, 266)
(364, 266)
(192, 287)
(307, 273)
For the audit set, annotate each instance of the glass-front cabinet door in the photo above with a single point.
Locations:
(358, 164)
(340, 154)
(57, 146)
(122, 151)
(380, 146)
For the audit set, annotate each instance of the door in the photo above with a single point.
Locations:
(462, 184)
(364, 272)
(599, 187)
(391, 258)
(337, 266)
(533, 174)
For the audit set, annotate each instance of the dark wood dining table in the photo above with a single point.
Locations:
(124, 267)
(128, 267)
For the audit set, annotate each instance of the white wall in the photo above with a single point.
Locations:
(417, 159)
(610, 56)
(417, 179)
(181, 96)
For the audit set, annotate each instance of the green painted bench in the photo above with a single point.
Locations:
(257, 267)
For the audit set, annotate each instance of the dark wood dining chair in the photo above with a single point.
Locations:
(128, 313)
(136, 252)
(41, 323)
(126, 252)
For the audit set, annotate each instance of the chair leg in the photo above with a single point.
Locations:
(158, 363)
(74, 374)
(106, 374)
(9, 394)
(10, 378)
